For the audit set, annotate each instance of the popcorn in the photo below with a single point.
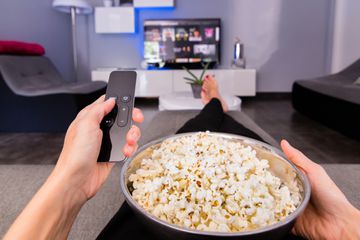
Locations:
(211, 183)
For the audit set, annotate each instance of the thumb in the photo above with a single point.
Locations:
(100, 110)
(297, 157)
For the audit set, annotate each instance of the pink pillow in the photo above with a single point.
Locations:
(21, 48)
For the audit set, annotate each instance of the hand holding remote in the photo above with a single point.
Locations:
(82, 146)
(116, 124)
(76, 178)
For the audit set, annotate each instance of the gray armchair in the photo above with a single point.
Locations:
(35, 98)
(333, 100)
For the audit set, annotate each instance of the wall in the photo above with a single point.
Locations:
(36, 21)
(284, 39)
(288, 40)
(346, 47)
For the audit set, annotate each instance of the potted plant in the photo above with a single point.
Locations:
(196, 82)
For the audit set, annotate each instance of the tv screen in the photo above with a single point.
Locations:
(185, 42)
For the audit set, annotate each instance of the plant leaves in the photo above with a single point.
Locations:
(192, 74)
(204, 70)
(190, 79)
(200, 82)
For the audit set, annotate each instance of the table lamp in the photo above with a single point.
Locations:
(73, 7)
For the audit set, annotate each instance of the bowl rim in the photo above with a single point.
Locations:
(304, 179)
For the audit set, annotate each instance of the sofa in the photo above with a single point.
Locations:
(333, 100)
(35, 98)
(95, 215)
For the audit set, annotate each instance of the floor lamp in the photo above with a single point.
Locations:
(73, 7)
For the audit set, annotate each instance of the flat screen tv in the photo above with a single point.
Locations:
(182, 42)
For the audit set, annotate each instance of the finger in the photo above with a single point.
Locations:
(99, 100)
(137, 115)
(133, 135)
(129, 150)
(98, 111)
(297, 157)
(85, 110)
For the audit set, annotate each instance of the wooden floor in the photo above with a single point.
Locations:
(277, 117)
(273, 113)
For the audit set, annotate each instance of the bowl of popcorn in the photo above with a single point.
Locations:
(214, 185)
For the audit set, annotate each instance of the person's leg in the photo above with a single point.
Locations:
(125, 225)
(212, 118)
(209, 119)
(230, 125)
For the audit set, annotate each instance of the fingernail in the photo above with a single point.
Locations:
(112, 98)
(286, 143)
(126, 151)
(135, 134)
(139, 115)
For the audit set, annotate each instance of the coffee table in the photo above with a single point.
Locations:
(186, 101)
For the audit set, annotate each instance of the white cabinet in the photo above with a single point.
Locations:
(231, 81)
(239, 82)
(153, 83)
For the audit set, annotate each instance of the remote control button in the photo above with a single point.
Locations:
(126, 99)
(109, 119)
(109, 122)
(123, 116)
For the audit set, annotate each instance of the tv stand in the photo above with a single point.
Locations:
(153, 83)
(176, 66)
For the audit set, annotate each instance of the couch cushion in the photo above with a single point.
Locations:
(21, 48)
(97, 212)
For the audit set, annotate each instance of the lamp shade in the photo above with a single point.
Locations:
(81, 6)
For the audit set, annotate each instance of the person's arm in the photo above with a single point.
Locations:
(76, 178)
(329, 214)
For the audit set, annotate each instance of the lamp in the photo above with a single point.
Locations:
(73, 7)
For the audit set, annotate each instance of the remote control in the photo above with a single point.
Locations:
(117, 123)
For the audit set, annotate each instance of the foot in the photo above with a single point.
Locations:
(210, 90)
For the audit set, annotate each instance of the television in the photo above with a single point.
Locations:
(182, 42)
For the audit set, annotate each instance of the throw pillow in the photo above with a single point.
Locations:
(21, 48)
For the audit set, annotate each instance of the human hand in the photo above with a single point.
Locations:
(78, 160)
(76, 178)
(329, 214)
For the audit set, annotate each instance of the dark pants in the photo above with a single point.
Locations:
(124, 224)
(212, 118)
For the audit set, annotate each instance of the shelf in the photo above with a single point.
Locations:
(153, 3)
(114, 20)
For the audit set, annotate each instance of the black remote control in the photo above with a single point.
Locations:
(117, 123)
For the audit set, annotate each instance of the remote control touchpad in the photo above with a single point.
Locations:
(117, 123)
